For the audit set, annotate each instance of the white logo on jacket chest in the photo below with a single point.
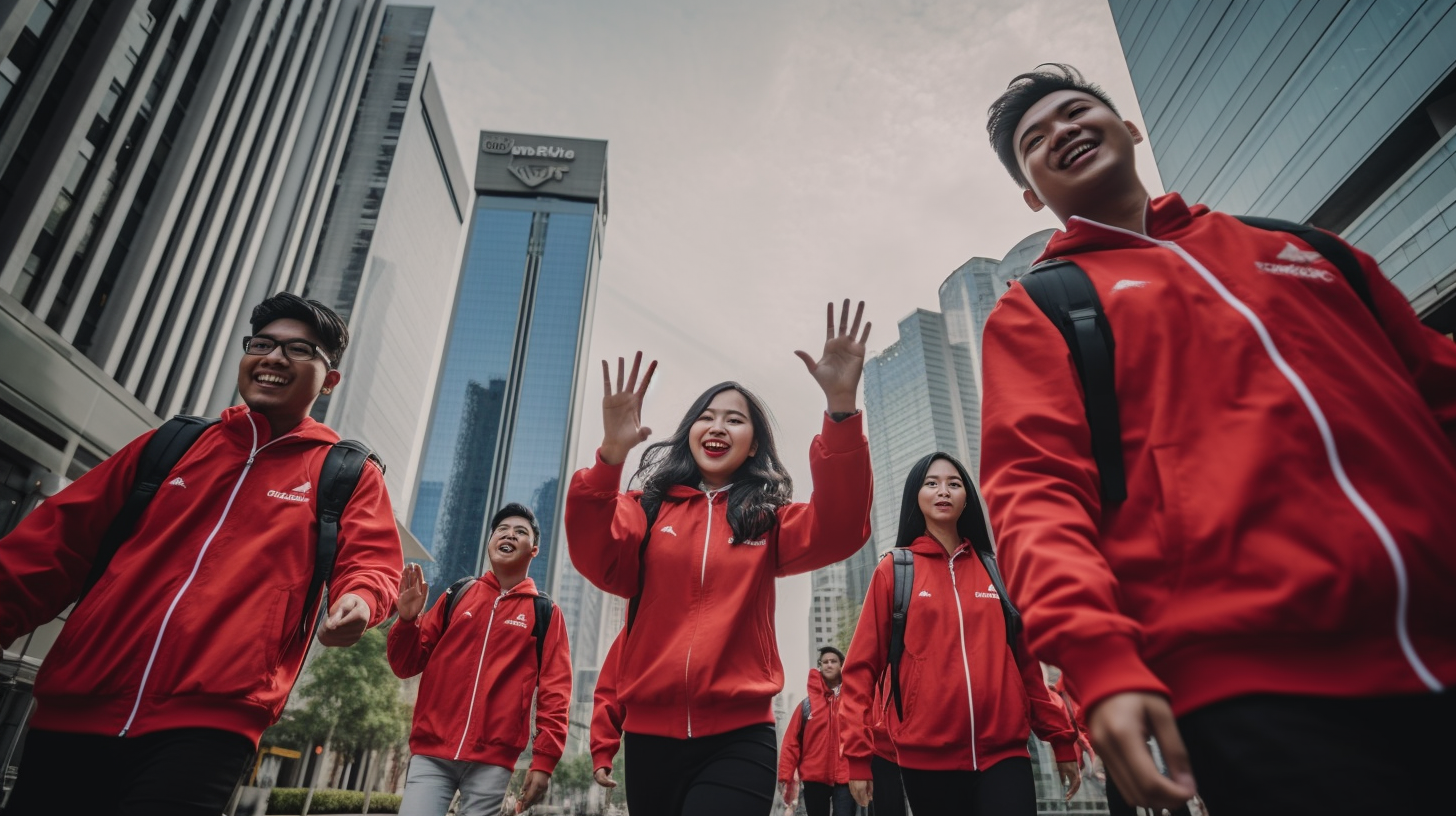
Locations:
(1128, 284)
(989, 593)
(1295, 265)
(178, 482)
(293, 497)
(519, 621)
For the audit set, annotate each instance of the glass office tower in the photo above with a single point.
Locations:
(1338, 113)
(504, 421)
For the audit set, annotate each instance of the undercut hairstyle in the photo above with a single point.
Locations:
(330, 329)
(760, 486)
(1021, 93)
(517, 509)
(823, 650)
(971, 525)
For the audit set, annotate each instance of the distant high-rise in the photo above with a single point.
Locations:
(1338, 113)
(922, 393)
(504, 424)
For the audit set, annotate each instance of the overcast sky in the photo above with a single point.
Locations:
(765, 157)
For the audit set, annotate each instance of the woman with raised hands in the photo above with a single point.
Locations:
(697, 549)
(964, 693)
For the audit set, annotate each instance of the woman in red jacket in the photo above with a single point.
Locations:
(697, 550)
(967, 700)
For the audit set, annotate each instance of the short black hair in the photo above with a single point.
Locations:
(1021, 93)
(328, 327)
(518, 509)
(837, 653)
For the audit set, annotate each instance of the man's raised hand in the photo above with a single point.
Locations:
(412, 592)
(622, 410)
(839, 367)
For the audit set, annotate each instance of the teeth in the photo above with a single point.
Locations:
(269, 378)
(1075, 152)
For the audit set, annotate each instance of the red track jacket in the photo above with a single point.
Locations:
(1290, 464)
(968, 702)
(194, 624)
(702, 657)
(606, 721)
(480, 677)
(811, 747)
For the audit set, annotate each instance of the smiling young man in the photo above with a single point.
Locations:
(478, 652)
(185, 649)
(1274, 591)
(811, 751)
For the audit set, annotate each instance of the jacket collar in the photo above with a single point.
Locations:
(240, 422)
(681, 492)
(925, 545)
(525, 587)
(1167, 216)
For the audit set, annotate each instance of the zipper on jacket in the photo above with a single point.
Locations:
(702, 586)
(479, 664)
(1387, 541)
(965, 661)
(197, 564)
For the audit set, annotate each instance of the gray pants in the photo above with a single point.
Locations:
(432, 783)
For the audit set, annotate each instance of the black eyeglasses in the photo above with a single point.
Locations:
(300, 350)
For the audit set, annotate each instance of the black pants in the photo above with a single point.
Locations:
(889, 788)
(822, 800)
(182, 772)
(730, 774)
(1275, 754)
(1004, 789)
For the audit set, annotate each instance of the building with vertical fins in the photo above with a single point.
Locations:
(1340, 114)
(504, 423)
(165, 165)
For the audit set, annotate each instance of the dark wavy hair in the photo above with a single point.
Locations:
(972, 523)
(760, 486)
(331, 330)
(1021, 93)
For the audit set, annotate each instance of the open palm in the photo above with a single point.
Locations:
(622, 428)
(838, 369)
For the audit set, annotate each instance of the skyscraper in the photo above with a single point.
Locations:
(1337, 113)
(166, 164)
(504, 421)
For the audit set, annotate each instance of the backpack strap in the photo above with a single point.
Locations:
(1066, 296)
(1333, 249)
(903, 577)
(805, 712)
(159, 455)
(451, 596)
(340, 475)
(1008, 609)
(544, 610)
(636, 600)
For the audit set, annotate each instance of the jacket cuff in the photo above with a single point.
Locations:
(602, 759)
(543, 763)
(1066, 751)
(602, 477)
(1099, 668)
(859, 768)
(844, 436)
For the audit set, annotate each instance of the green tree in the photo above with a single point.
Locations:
(573, 776)
(350, 702)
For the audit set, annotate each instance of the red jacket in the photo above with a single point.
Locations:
(811, 747)
(606, 721)
(702, 657)
(968, 701)
(194, 624)
(1290, 465)
(480, 675)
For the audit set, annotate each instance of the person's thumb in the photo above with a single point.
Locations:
(1175, 753)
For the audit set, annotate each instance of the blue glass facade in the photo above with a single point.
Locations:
(502, 423)
(1341, 114)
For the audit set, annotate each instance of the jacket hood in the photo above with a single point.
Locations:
(1166, 216)
(525, 587)
(818, 688)
(240, 422)
(925, 545)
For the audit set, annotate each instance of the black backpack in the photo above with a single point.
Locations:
(543, 606)
(805, 712)
(1064, 294)
(903, 580)
(340, 475)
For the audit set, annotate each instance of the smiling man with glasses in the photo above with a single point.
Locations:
(184, 646)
